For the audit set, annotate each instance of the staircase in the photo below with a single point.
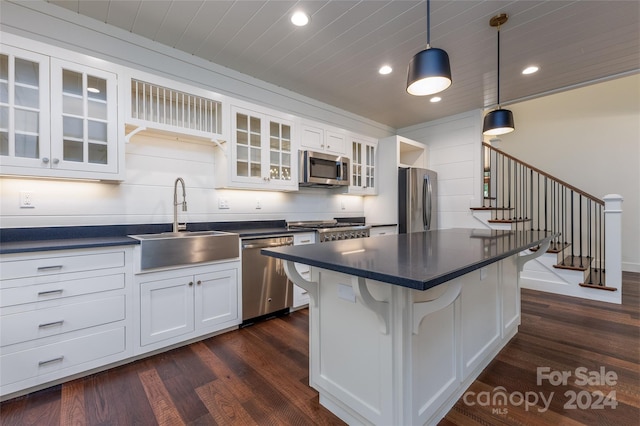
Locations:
(580, 261)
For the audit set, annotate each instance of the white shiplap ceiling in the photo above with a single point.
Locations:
(336, 57)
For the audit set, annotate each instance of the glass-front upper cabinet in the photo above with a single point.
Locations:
(363, 166)
(261, 152)
(84, 118)
(24, 108)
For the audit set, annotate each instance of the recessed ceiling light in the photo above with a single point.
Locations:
(299, 19)
(530, 70)
(385, 69)
(435, 99)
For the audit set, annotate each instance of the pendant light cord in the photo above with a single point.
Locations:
(428, 24)
(498, 85)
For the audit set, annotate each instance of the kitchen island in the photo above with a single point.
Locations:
(401, 325)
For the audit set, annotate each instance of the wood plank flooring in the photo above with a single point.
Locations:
(259, 375)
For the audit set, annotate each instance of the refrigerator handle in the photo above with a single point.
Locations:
(426, 202)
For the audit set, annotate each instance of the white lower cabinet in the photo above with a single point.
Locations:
(63, 313)
(183, 304)
(377, 231)
(300, 295)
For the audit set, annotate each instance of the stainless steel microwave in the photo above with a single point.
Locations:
(323, 170)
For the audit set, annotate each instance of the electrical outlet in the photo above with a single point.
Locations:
(342, 206)
(26, 200)
(223, 203)
(258, 203)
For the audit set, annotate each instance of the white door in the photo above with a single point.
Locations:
(216, 298)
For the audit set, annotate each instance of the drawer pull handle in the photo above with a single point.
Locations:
(305, 241)
(51, 324)
(305, 273)
(49, 268)
(49, 292)
(50, 361)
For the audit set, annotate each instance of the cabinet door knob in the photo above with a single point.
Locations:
(199, 282)
(190, 283)
(45, 160)
(56, 161)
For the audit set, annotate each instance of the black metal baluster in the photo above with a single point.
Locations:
(531, 195)
(564, 221)
(580, 228)
(509, 180)
(572, 230)
(589, 207)
(545, 194)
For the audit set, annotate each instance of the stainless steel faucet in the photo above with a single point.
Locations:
(176, 226)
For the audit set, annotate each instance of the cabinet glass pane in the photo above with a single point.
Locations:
(4, 67)
(243, 153)
(96, 88)
(72, 127)
(274, 129)
(27, 146)
(72, 151)
(97, 130)
(72, 82)
(256, 170)
(27, 72)
(98, 110)
(255, 139)
(26, 121)
(241, 138)
(242, 169)
(274, 158)
(4, 117)
(274, 172)
(286, 159)
(255, 155)
(286, 146)
(286, 132)
(274, 143)
(4, 143)
(27, 97)
(286, 173)
(97, 153)
(241, 122)
(255, 125)
(4, 92)
(72, 105)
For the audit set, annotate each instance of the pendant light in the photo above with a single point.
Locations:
(499, 121)
(429, 70)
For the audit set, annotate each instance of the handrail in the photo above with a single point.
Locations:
(543, 173)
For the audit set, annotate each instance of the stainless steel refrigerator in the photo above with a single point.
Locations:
(417, 200)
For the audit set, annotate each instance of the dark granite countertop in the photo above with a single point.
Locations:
(418, 260)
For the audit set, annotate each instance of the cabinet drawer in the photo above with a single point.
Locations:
(48, 359)
(22, 290)
(39, 323)
(60, 264)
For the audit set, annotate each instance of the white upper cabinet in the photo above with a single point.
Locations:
(321, 138)
(57, 118)
(261, 155)
(363, 179)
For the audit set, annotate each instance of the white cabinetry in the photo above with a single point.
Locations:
(300, 295)
(183, 304)
(320, 138)
(363, 166)
(262, 153)
(63, 313)
(57, 118)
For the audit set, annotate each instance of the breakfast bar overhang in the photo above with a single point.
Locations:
(401, 325)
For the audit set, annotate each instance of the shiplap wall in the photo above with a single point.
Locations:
(152, 165)
(454, 153)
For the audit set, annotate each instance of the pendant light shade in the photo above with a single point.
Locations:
(499, 121)
(429, 70)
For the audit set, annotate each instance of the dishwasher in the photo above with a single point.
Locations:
(265, 286)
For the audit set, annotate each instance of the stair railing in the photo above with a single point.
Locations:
(529, 198)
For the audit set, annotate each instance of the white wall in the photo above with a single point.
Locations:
(152, 165)
(454, 153)
(590, 138)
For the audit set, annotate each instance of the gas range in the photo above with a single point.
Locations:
(332, 230)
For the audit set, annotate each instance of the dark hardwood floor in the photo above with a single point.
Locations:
(258, 375)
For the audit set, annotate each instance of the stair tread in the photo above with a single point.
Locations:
(597, 279)
(554, 247)
(491, 208)
(508, 220)
(573, 263)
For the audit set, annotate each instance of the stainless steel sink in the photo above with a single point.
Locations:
(186, 248)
